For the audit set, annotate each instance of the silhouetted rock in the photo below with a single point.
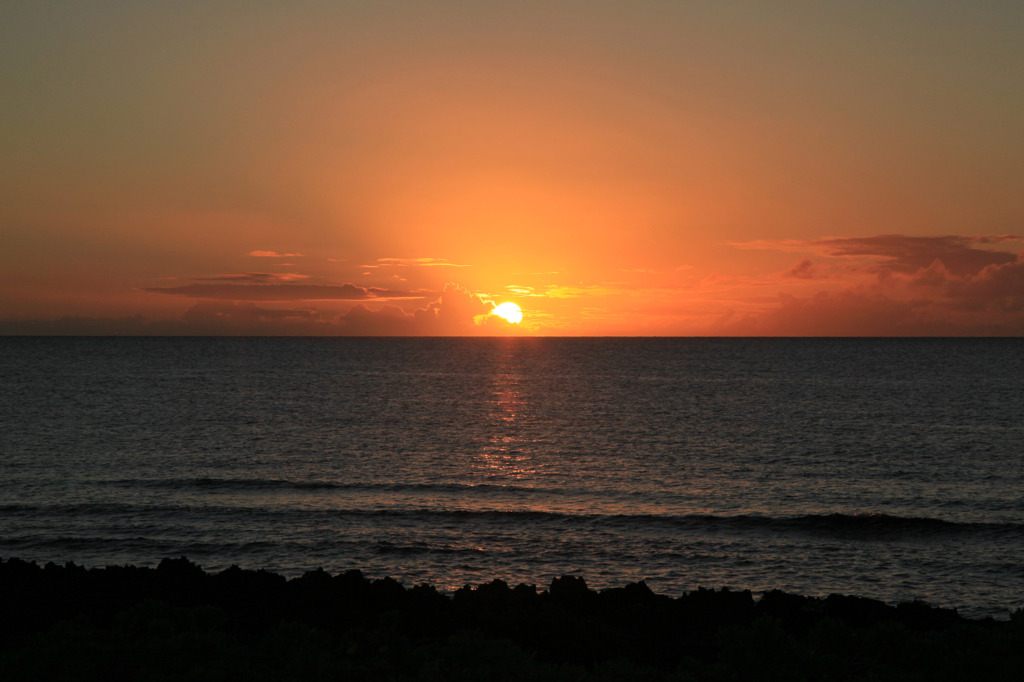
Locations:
(122, 622)
(570, 590)
(796, 612)
(920, 616)
(856, 611)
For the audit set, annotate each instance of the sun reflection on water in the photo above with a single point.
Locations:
(507, 452)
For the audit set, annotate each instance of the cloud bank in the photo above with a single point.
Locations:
(885, 285)
(254, 290)
(897, 286)
(453, 313)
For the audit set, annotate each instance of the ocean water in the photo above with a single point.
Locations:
(891, 469)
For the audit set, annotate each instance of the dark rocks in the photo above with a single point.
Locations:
(350, 626)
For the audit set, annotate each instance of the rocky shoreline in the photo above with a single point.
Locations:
(177, 622)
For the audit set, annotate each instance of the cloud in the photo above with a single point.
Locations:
(793, 245)
(415, 262)
(386, 321)
(862, 313)
(205, 318)
(909, 254)
(997, 288)
(456, 312)
(255, 277)
(248, 319)
(932, 301)
(207, 310)
(452, 313)
(903, 254)
(74, 325)
(805, 269)
(273, 254)
(848, 313)
(457, 307)
(280, 292)
(920, 286)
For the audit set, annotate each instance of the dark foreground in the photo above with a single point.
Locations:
(177, 622)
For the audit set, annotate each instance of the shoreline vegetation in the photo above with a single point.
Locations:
(178, 622)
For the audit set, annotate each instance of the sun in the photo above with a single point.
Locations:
(510, 312)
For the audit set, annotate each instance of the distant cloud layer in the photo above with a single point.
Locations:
(900, 253)
(255, 277)
(273, 254)
(908, 254)
(455, 312)
(278, 292)
(898, 286)
(886, 285)
(415, 262)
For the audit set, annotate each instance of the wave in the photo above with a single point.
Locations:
(849, 525)
(211, 483)
(865, 526)
(139, 544)
(423, 548)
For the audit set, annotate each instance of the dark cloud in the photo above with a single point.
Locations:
(386, 321)
(206, 318)
(254, 277)
(248, 319)
(931, 302)
(997, 287)
(849, 313)
(279, 292)
(455, 312)
(923, 286)
(74, 325)
(205, 311)
(805, 269)
(905, 254)
(902, 254)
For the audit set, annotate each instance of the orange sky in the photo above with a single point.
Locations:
(646, 168)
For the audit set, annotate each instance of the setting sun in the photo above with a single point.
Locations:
(509, 312)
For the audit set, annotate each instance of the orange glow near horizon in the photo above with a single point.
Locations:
(678, 169)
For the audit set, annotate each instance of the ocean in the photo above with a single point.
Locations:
(890, 469)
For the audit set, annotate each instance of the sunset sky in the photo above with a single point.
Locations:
(615, 168)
